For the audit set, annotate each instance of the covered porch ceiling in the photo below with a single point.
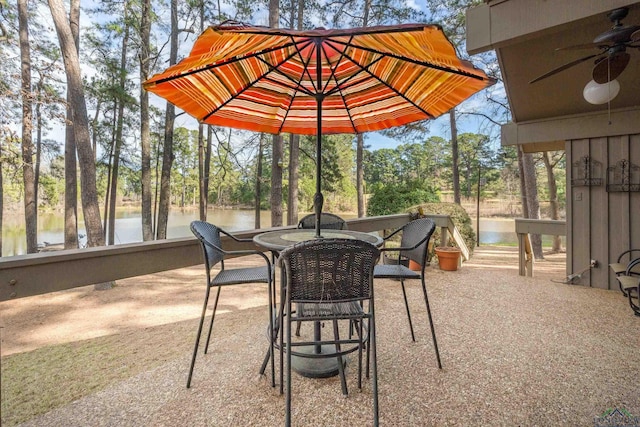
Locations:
(525, 35)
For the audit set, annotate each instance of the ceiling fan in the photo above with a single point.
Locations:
(613, 57)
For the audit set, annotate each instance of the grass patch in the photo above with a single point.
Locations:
(39, 381)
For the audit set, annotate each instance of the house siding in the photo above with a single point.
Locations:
(602, 223)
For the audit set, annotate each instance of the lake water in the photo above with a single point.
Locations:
(128, 227)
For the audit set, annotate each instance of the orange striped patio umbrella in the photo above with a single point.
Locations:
(320, 81)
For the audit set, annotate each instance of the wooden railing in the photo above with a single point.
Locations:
(447, 230)
(525, 227)
(34, 274)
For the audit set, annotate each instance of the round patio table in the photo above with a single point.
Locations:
(276, 241)
(281, 239)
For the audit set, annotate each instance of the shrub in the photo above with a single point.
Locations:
(458, 215)
(393, 199)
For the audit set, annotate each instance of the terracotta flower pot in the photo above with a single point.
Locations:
(448, 258)
(414, 265)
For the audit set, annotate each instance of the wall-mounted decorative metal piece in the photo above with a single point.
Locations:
(623, 176)
(586, 172)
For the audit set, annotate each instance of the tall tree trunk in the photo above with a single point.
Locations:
(202, 202)
(202, 195)
(278, 149)
(145, 134)
(94, 127)
(112, 147)
(276, 181)
(523, 187)
(467, 178)
(156, 188)
(533, 205)
(297, 19)
(360, 139)
(119, 126)
(294, 163)
(167, 157)
(454, 155)
(183, 193)
(82, 138)
(207, 167)
(274, 13)
(28, 177)
(259, 181)
(553, 199)
(38, 143)
(70, 162)
(360, 174)
(165, 177)
(300, 14)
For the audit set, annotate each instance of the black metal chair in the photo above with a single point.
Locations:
(209, 237)
(327, 221)
(629, 282)
(621, 268)
(414, 245)
(330, 280)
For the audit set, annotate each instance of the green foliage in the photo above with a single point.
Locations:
(458, 215)
(51, 190)
(415, 162)
(397, 198)
(338, 168)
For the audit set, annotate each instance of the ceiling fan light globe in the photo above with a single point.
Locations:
(595, 93)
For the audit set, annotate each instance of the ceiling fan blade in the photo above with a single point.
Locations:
(609, 68)
(564, 67)
(583, 46)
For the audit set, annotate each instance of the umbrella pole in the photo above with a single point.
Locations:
(318, 199)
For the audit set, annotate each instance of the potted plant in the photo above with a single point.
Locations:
(448, 257)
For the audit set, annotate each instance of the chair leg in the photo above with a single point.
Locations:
(281, 332)
(634, 307)
(406, 306)
(271, 339)
(272, 334)
(622, 289)
(343, 379)
(213, 316)
(195, 348)
(298, 324)
(287, 420)
(433, 331)
(270, 356)
(368, 363)
(360, 347)
(374, 362)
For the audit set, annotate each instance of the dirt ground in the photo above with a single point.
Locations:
(162, 298)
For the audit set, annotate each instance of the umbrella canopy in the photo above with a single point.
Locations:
(319, 81)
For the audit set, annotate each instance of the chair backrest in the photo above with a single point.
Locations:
(327, 221)
(417, 232)
(209, 237)
(329, 270)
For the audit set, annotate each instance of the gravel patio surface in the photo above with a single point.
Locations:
(515, 351)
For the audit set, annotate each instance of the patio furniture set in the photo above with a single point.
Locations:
(318, 82)
(628, 276)
(327, 279)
